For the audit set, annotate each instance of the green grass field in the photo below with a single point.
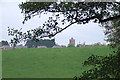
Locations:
(47, 62)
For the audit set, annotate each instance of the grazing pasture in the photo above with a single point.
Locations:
(48, 62)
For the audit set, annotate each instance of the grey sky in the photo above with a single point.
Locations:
(11, 17)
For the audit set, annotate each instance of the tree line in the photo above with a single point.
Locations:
(46, 42)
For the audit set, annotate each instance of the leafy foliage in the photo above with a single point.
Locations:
(71, 45)
(3, 43)
(113, 33)
(79, 13)
(106, 67)
(45, 42)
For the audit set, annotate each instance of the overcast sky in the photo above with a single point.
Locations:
(10, 16)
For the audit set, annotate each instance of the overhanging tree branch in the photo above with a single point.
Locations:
(63, 29)
(110, 18)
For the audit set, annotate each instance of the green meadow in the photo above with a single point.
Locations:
(48, 62)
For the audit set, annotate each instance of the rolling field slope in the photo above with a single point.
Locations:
(47, 62)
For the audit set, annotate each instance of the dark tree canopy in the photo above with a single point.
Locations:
(71, 45)
(45, 42)
(4, 43)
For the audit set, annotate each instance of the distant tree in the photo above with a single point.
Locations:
(84, 44)
(3, 43)
(0, 44)
(78, 45)
(71, 45)
(97, 44)
(45, 42)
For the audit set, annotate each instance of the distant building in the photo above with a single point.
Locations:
(1, 48)
(79, 45)
(5, 47)
(56, 46)
(72, 41)
(41, 47)
(63, 45)
(19, 47)
(26, 46)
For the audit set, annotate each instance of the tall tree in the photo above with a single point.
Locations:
(109, 66)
